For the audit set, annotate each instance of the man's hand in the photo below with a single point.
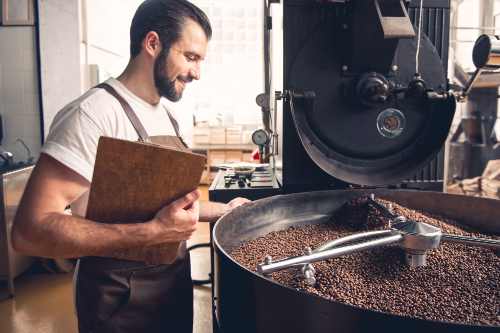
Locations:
(211, 211)
(236, 202)
(178, 220)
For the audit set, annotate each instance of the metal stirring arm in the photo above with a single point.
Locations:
(269, 267)
(351, 238)
(472, 241)
(416, 238)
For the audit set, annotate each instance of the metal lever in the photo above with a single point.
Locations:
(468, 87)
(486, 56)
(308, 271)
(351, 238)
(473, 241)
(268, 268)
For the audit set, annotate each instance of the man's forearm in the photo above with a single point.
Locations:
(210, 211)
(66, 236)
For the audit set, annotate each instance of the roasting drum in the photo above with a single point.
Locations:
(249, 303)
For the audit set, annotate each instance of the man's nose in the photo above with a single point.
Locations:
(195, 72)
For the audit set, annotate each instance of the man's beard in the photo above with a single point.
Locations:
(164, 86)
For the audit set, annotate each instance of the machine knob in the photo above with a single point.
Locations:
(373, 89)
(417, 88)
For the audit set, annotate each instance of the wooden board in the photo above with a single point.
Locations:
(132, 181)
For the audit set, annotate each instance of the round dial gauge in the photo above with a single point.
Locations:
(261, 100)
(391, 123)
(260, 137)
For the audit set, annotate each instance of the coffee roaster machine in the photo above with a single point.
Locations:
(366, 109)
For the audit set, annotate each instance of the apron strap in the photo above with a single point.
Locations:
(174, 122)
(136, 123)
(175, 125)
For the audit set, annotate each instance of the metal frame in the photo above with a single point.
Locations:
(4, 245)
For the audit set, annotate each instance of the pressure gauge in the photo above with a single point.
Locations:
(260, 137)
(262, 100)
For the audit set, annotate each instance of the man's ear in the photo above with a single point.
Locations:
(151, 44)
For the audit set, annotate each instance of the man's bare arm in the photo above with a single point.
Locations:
(210, 211)
(42, 229)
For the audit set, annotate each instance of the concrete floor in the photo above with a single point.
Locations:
(44, 302)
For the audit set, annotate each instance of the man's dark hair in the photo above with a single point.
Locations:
(166, 18)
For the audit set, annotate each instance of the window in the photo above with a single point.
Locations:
(232, 75)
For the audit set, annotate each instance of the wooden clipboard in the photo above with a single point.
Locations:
(132, 181)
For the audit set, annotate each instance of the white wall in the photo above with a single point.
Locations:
(60, 55)
(105, 35)
(19, 95)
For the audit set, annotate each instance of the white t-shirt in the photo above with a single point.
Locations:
(76, 129)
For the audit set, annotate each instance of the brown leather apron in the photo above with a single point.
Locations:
(121, 296)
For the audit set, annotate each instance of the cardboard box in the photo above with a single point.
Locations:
(217, 135)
